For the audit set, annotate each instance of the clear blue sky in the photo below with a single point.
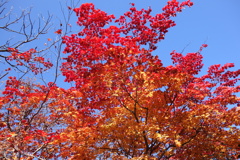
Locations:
(215, 22)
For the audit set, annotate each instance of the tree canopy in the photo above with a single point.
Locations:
(124, 104)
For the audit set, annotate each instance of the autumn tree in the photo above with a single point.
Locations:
(125, 104)
(25, 126)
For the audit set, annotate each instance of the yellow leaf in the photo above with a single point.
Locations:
(178, 143)
(13, 134)
(150, 94)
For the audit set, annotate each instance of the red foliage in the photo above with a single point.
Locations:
(124, 102)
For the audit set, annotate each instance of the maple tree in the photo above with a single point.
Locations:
(125, 104)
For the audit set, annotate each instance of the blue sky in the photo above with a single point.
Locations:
(215, 22)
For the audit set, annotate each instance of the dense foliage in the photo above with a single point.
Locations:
(124, 103)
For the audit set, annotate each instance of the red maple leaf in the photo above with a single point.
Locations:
(58, 31)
